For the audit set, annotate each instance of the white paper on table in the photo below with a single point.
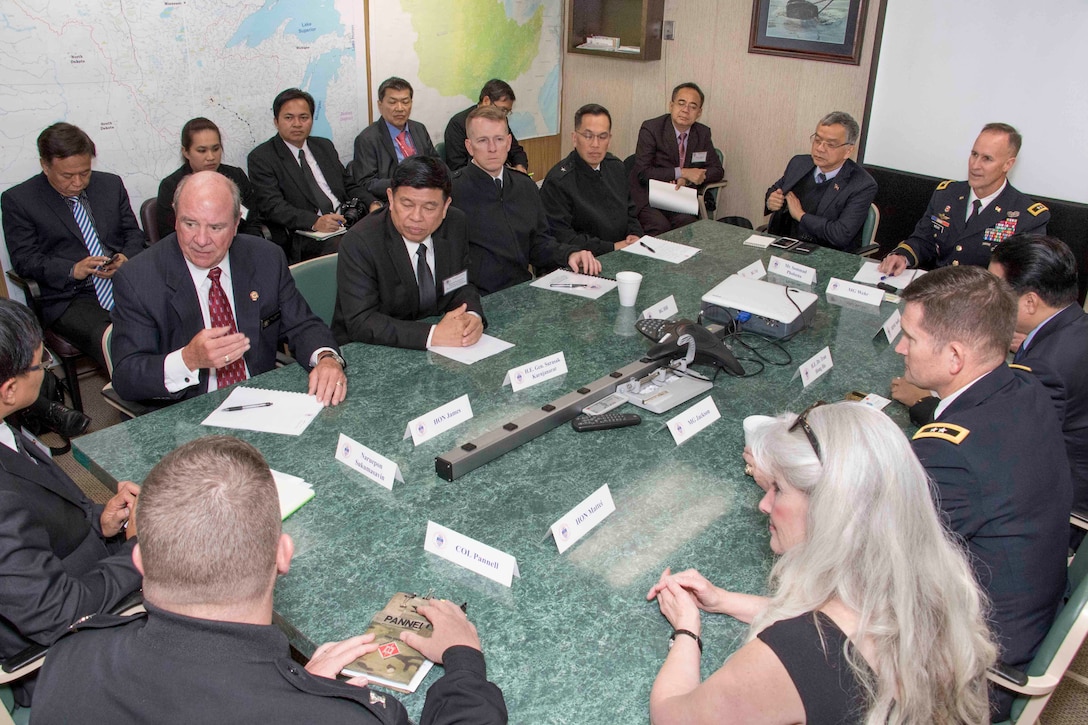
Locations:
(319, 235)
(485, 347)
(759, 240)
(663, 249)
(594, 286)
(290, 413)
(665, 195)
(293, 492)
(870, 274)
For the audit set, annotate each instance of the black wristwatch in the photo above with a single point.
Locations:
(697, 638)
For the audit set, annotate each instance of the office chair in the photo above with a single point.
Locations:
(316, 281)
(126, 408)
(149, 217)
(711, 190)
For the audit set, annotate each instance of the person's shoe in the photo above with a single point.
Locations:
(64, 421)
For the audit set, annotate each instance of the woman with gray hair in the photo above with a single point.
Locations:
(874, 615)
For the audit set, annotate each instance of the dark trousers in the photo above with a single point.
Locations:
(83, 324)
(658, 221)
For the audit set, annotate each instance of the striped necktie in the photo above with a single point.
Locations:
(102, 287)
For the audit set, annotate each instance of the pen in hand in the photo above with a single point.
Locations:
(235, 408)
(644, 244)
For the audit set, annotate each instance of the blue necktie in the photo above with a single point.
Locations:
(820, 177)
(102, 287)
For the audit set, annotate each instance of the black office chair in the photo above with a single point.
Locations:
(149, 217)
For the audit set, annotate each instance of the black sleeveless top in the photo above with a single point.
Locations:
(828, 688)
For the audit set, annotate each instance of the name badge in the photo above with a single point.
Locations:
(892, 326)
(755, 270)
(45, 450)
(471, 554)
(373, 465)
(791, 270)
(439, 420)
(581, 519)
(815, 366)
(859, 292)
(698, 157)
(536, 372)
(457, 281)
(663, 310)
(693, 420)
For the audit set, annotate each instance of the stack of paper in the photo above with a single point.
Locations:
(666, 196)
(485, 347)
(870, 274)
(293, 491)
(572, 283)
(759, 240)
(267, 411)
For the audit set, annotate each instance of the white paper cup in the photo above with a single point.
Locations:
(629, 282)
(753, 423)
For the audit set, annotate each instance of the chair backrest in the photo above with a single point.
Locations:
(872, 222)
(107, 336)
(440, 147)
(149, 217)
(316, 281)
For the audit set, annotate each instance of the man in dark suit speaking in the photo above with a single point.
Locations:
(824, 196)
(407, 262)
(207, 307)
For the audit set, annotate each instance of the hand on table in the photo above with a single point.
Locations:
(676, 602)
(893, 264)
(328, 382)
(458, 328)
(451, 628)
(584, 262)
(332, 657)
(627, 242)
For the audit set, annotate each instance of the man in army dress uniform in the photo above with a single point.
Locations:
(965, 220)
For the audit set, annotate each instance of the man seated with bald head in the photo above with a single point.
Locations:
(207, 307)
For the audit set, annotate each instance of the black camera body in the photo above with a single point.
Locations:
(352, 210)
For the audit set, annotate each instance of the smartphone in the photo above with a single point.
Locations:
(112, 260)
(805, 248)
(785, 243)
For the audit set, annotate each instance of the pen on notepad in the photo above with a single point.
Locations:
(652, 250)
(235, 408)
(568, 286)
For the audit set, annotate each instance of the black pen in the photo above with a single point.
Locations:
(235, 408)
(647, 246)
(568, 286)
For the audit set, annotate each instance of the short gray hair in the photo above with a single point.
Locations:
(844, 119)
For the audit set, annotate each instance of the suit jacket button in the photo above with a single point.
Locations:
(955, 262)
(959, 247)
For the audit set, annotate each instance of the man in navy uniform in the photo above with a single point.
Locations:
(966, 220)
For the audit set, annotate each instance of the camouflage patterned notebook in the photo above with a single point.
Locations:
(395, 665)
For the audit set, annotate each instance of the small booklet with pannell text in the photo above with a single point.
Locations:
(395, 665)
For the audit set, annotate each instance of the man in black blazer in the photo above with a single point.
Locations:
(47, 245)
(174, 336)
(994, 451)
(61, 556)
(384, 144)
(292, 197)
(824, 196)
(408, 262)
(496, 93)
(657, 156)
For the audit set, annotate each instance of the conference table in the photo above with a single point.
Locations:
(573, 639)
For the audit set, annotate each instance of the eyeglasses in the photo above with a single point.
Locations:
(47, 361)
(684, 104)
(817, 142)
(602, 137)
(802, 423)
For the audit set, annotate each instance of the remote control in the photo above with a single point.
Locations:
(605, 404)
(607, 421)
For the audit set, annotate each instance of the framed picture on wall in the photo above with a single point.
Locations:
(829, 30)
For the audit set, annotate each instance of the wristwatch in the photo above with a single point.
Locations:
(334, 355)
(697, 638)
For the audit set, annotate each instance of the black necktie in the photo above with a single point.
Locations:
(820, 177)
(323, 203)
(977, 207)
(1020, 353)
(426, 280)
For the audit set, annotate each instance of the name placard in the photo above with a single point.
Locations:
(892, 326)
(581, 519)
(816, 366)
(439, 420)
(755, 270)
(875, 401)
(853, 291)
(693, 420)
(663, 310)
(374, 466)
(792, 270)
(536, 372)
(471, 554)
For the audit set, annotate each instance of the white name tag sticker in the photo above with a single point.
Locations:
(792, 270)
(853, 291)
(697, 157)
(693, 420)
(755, 270)
(374, 466)
(892, 326)
(875, 401)
(536, 372)
(815, 366)
(439, 420)
(243, 211)
(457, 281)
(581, 519)
(471, 554)
(663, 310)
(46, 450)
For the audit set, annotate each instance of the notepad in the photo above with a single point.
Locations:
(293, 492)
(666, 196)
(288, 414)
(870, 274)
(662, 249)
(485, 347)
(572, 283)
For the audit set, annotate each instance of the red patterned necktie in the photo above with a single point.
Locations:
(219, 310)
(683, 147)
(404, 141)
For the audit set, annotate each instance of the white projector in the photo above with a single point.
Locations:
(762, 307)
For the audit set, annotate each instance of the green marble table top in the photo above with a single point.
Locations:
(573, 640)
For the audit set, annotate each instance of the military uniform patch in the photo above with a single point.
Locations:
(944, 184)
(1037, 208)
(1018, 366)
(1000, 232)
(945, 431)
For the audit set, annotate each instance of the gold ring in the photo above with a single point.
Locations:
(227, 358)
(339, 384)
(747, 469)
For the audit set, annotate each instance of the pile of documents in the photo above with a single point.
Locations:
(293, 491)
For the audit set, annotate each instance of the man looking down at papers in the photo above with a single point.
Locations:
(207, 307)
(406, 262)
(211, 548)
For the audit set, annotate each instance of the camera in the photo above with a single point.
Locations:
(352, 210)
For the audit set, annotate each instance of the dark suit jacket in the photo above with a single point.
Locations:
(157, 312)
(943, 236)
(587, 209)
(166, 219)
(657, 156)
(44, 241)
(55, 565)
(376, 158)
(284, 200)
(377, 296)
(457, 155)
(841, 214)
(1004, 488)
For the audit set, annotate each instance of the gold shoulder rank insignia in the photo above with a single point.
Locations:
(1036, 209)
(945, 431)
(944, 184)
(1018, 366)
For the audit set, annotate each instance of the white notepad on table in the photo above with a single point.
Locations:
(289, 413)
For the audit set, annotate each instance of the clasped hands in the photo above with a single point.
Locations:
(458, 328)
(683, 595)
